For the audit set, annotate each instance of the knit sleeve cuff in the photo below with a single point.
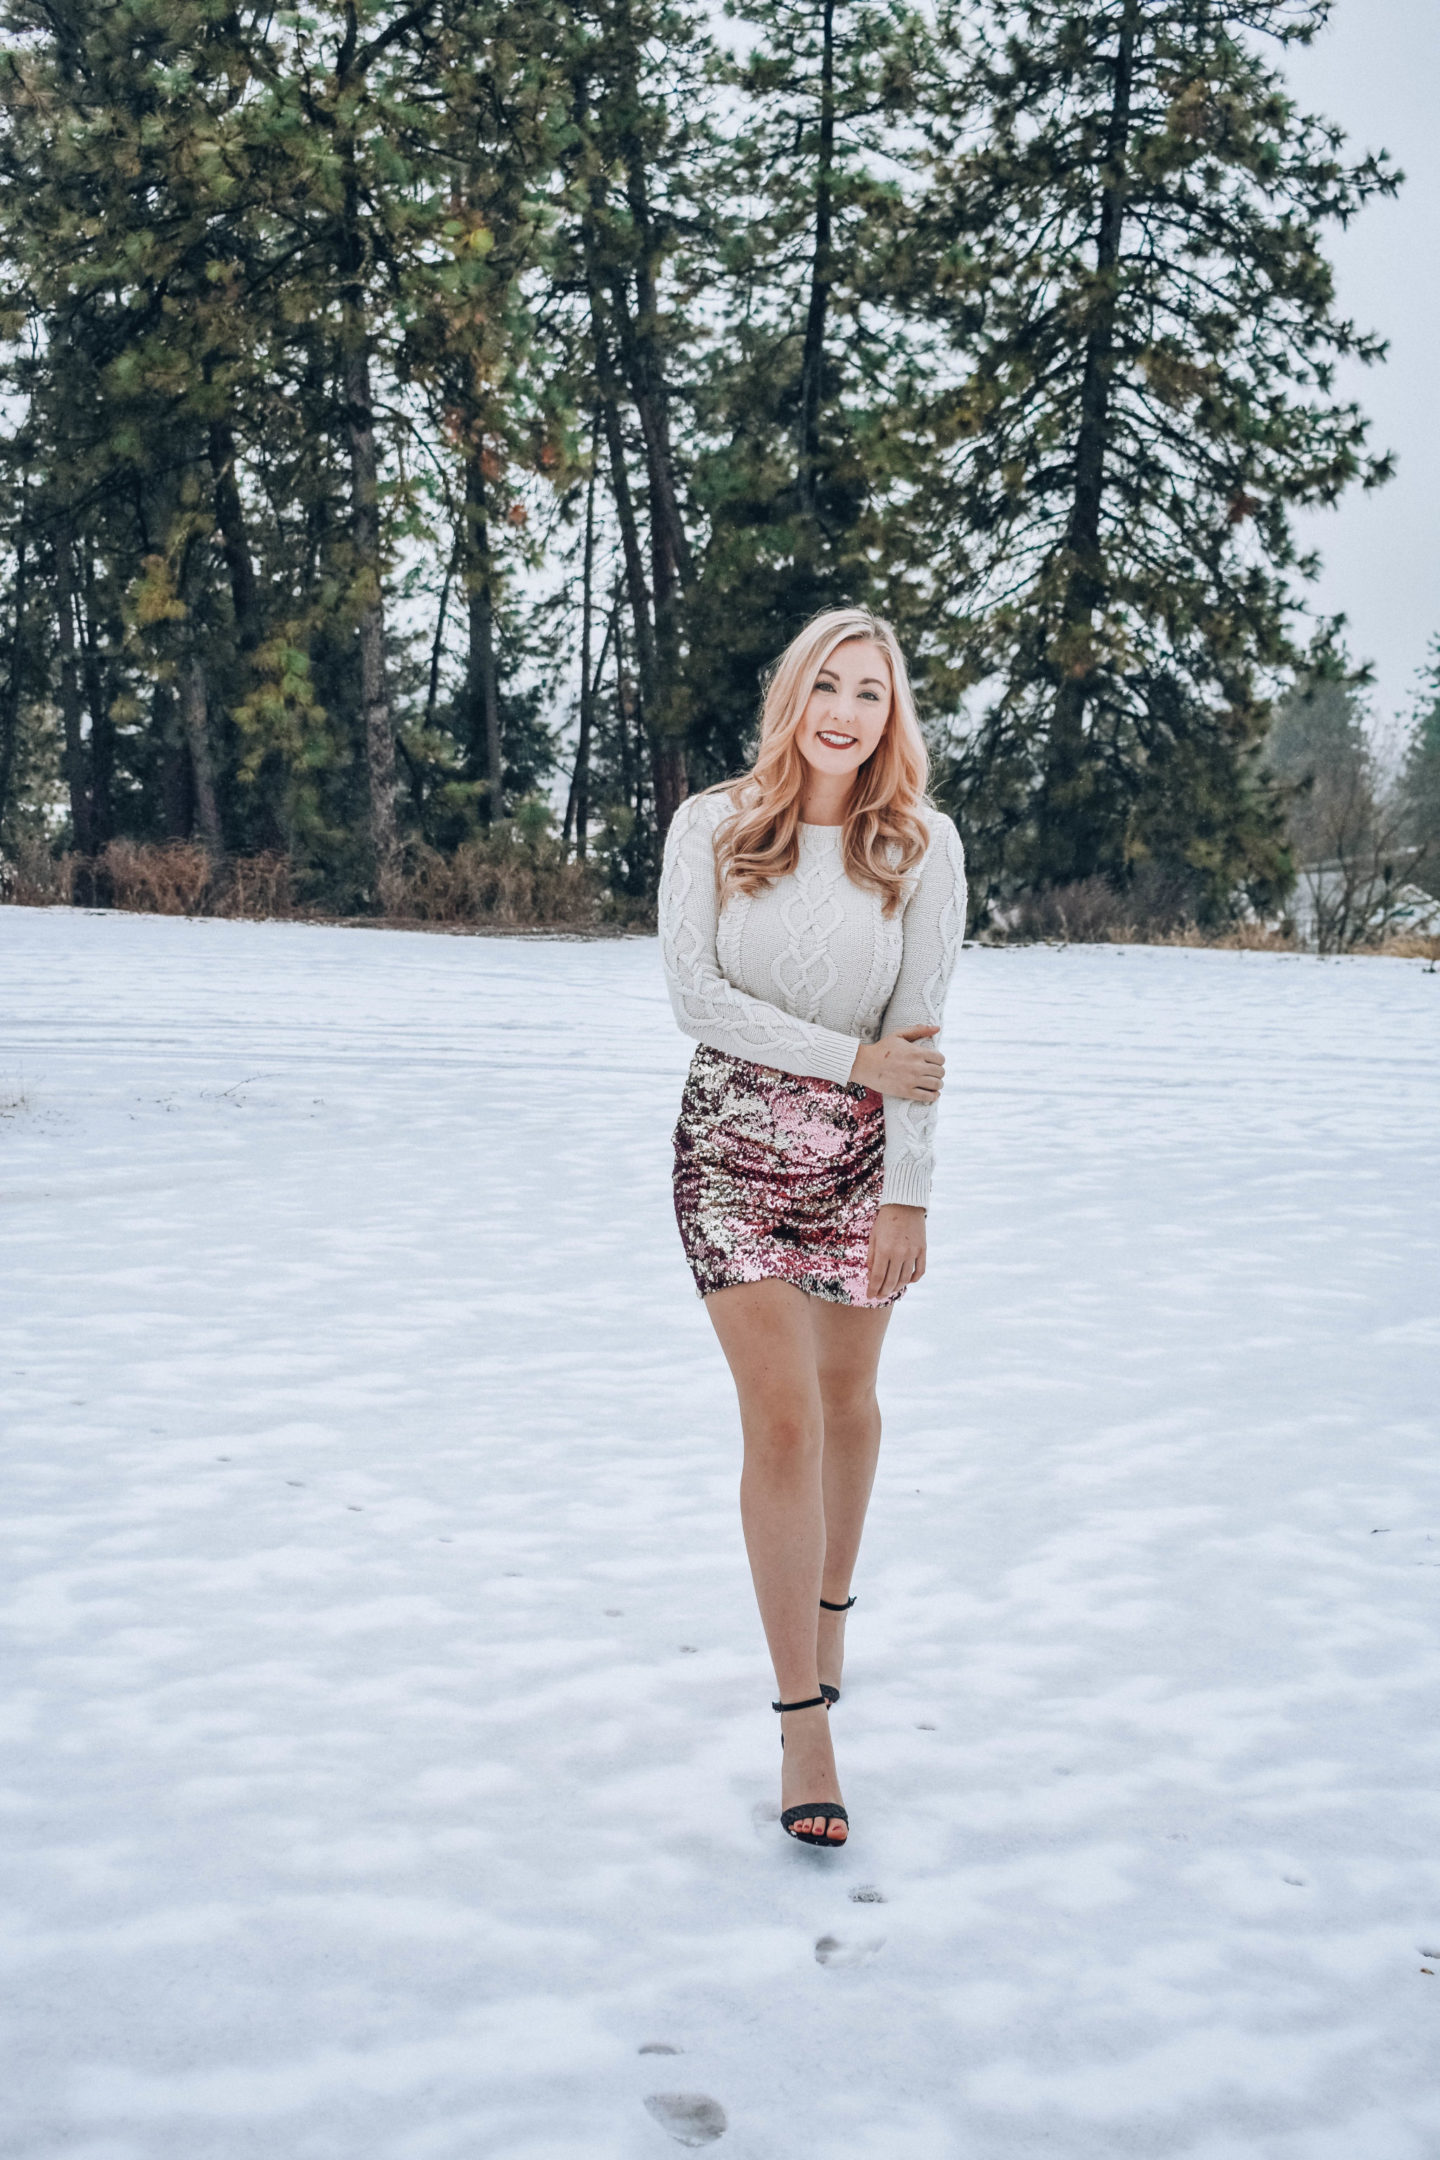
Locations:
(832, 1055)
(907, 1184)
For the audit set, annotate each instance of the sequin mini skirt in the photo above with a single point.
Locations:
(777, 1175)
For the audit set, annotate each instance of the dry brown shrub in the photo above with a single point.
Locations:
(1089, 912)
(258, 887)
(30, 876)
(1240, 937)
(1407, 945)
(171, 878)
(1149, 912)
(499, 878)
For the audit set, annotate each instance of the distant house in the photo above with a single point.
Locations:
(1339, 904)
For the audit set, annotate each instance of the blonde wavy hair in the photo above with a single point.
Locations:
(884, 834)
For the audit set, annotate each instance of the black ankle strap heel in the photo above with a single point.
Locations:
(822, 1811)
(832, 1694)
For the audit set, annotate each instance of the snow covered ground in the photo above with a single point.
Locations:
(389, 1772)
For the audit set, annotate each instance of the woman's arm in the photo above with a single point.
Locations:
(934, 930)
(705, 1003)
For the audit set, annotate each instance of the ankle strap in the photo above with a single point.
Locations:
(826, 1606)
(813, 1702)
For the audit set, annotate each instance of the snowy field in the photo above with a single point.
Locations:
(389, 1771)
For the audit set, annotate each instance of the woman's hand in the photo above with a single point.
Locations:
(897, 1249)
(904, 1064)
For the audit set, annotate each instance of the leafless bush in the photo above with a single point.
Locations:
(1347, 828)
(1409, 945)
(171, 877)
(30, 876)
(502, 877)
(509, 877)
(174, 878)
(1154, 905)
(1154, 909)
(1238, 937)
(258, 887)
(1088, 912)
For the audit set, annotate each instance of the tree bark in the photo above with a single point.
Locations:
(379, 725)
(230, 518)
(577, 808)
(195, 723)
(670, 564)
(668, 549)
(812, 362)
(75, 776)
(1066, 851)
(14, 673)
(657, 640)
(102, 728)
(437, 647)
(177, 778)
(483, 685)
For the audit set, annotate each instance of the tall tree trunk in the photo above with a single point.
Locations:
(365, 531)
(14, 673)
(437, 646)
(482, 681)
(657, 648)
(624, 701)
(1066, 849)
(102, 727)
(670, 564)
(75, 776)
(177, 777)
(670, 779)
(635, 587)
(230, 519)
(668, 550)
(577, 807)
(812, 360)
(608, 389)
(195, 722)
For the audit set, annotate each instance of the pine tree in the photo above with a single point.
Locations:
(812, 456)
(1126, 244)
(635, 172)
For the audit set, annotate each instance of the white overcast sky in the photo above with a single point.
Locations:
(1376, 71)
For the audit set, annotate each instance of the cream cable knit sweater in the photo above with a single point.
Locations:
(799, 974)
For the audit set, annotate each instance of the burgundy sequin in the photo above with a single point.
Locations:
(777, 1175)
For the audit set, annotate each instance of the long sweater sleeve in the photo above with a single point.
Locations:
(934, 929)
(706, 1004)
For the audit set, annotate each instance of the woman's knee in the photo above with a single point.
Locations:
(851, 1405)
(784, 1437)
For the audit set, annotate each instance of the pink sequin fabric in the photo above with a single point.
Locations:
(777, 1175)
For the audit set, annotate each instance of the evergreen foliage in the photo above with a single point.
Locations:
(413, 408)
(1128, 248)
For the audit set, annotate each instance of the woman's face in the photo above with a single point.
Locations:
(846, 711)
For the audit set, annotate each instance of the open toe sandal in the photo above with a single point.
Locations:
(826, 1811)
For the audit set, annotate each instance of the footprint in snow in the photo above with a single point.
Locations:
(830, 1950)
(866, 1894)
(690, 2118)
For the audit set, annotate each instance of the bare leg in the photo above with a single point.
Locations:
(848, 1342)
(766, 1332)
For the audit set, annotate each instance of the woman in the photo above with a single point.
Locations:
(810, 915)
